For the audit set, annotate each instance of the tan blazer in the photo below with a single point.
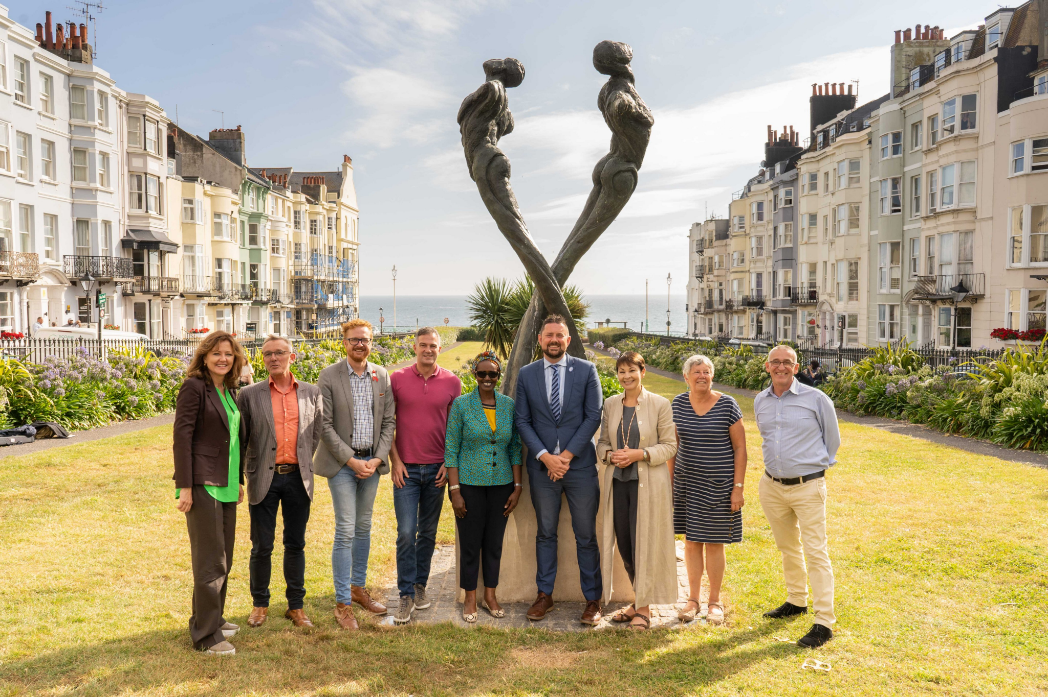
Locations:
(337, 432)
(655, 572)
(256, 409)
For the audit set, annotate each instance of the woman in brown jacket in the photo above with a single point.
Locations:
(637, 438)
(209, 440)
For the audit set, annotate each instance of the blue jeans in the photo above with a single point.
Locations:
(354, 501)
(417, 505)
(582, 488)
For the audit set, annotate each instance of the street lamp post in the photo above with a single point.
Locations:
(645, 305)
(669, 283)
(381, 319)
(87, 282)
(394, 298)
(959, 292)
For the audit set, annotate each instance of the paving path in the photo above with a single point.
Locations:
(443, 589)
(904, 428)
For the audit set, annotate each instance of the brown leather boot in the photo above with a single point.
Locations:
(543, 604)
(362, 598)
(298, 618)
(257, 617)
(344, 617)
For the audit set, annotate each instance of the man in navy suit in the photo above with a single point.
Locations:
(557, 414)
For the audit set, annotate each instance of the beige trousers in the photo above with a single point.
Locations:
(797, 516)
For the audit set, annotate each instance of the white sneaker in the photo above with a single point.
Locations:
(421, 601)
(222, 648)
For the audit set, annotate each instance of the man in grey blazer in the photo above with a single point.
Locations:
(358, 423)
(282, 419)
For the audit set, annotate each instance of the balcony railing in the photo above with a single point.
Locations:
(197, 285)
(21, 265)
(754, 300)
(157, 285)
(939, 287)
(729, 304)
(805, 294)
(102, 268)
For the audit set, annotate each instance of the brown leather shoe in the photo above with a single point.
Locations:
(362, 598)
(298, 618)
(345, 618)
(543, 604)
(591, 615)
(257, 617)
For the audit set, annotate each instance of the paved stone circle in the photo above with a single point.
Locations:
(443, 588)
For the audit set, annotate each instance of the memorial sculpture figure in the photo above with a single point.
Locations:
(484, 117)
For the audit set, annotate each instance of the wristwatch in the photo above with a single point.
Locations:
(738, 485)
(453, 487)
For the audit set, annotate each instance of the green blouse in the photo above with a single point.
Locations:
(231, 491)
(482, 455)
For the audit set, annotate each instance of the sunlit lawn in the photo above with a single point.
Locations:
(940, 558)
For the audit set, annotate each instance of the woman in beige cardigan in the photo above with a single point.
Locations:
(637, 437)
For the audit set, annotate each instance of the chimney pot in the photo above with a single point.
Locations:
(83, 35)
(834, 88)
(346, 159)
(825, 88)
(39, 33)
(907, 35)
(49, 36)
(898, 36)
(849, 89)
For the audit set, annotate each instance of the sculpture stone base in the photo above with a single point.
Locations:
(517, 574)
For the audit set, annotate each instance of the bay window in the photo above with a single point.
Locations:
(891, 145)
(915, 196)
(78, 102)
(79, 166)
(889, 267)
(1029, 156)
(891, 196)
(888, 322)
(1028, 235)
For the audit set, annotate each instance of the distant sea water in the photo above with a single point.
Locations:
(420, 310)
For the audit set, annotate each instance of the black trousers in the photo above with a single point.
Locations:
(212, 534)
(289, 494)
(624, 518)
(481, 533)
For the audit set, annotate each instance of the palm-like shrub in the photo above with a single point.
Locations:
(489, 311)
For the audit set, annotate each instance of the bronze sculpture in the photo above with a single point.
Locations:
(484, 117)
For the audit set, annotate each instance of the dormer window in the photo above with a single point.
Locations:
(915, 78)
(958, 52)
(993, 36)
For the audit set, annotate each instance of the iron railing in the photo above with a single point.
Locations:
(754, 300)
(75, 266)
(23, 265)
(939, 287)
(805, 294)
(159, 285)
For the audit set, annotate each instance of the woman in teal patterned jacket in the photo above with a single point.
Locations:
(482, 457)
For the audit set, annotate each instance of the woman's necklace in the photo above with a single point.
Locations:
(625, 437)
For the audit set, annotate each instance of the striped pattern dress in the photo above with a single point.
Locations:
(704, 474)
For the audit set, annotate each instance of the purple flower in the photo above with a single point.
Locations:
(117, 375)
(45, 384)
(890, 389)
(132, 400)
(59, 392)
(862, 398)
(100, 395)
(154, 385)
(861, 385)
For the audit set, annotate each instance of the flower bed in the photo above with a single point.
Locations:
(1005, 400)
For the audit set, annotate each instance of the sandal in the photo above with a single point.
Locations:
(644, 623)
(497, 614)
(470, 617)
(689, 615)
(716, 613)
(621, 617)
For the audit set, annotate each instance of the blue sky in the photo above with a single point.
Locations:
(381, 80)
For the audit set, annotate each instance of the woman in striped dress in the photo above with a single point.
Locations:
(708, 472)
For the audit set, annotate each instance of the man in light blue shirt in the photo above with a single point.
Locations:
(798, 425)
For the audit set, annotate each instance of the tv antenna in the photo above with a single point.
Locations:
(223, 117)
(84, 9)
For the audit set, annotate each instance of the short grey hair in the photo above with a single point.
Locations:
(692, 361)
(785, 348)
(278, 337)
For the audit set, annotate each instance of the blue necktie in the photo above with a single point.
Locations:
(554, 396)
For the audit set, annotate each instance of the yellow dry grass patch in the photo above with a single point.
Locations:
(545, 658)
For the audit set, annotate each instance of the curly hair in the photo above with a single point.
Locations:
(198, 367)
(357, 322)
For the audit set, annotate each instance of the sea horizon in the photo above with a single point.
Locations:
(421, 310)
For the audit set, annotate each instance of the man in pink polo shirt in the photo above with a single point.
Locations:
(423, 393)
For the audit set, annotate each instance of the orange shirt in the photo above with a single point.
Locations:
(285, 421)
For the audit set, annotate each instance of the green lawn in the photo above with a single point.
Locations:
(940, 558)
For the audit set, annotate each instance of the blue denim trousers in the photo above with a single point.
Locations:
(417, 505)
(581, 487)
(354, 501)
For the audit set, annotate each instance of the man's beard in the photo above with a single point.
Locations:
(553, 351)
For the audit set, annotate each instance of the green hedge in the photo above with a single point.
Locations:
(470, 334)
(608, 337)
